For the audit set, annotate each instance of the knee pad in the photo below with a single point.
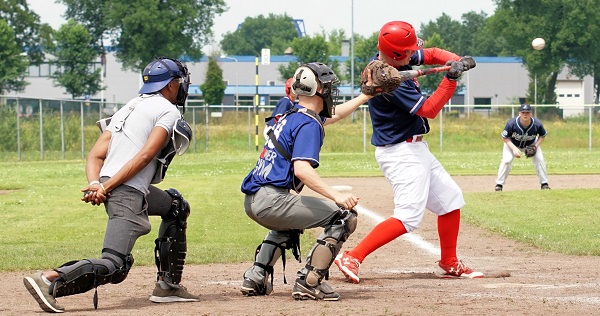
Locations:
(89, 275)
(171, 245)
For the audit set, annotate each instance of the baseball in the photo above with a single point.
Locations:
(538, 43)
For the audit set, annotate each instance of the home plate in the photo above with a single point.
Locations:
(342, 187)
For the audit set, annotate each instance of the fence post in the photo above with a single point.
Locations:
(206, 119)
(62, 131)
(40, 113)
(18, 131)
(82, 131)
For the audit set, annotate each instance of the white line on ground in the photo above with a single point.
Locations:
(412, 237)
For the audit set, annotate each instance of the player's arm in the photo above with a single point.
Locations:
(435, 103)
(153, 145)
(94, 162)
(516, 151)
(437, 56)
(345, 109)
(305, 172)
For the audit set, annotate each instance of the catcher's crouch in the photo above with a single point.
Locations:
(120, 168)
(523, 135)
(287, 161)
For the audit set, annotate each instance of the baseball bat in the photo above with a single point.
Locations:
(409, 74)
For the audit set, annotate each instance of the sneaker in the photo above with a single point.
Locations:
(348, 265)
(41, 292)
(498, 187)
(251, 288)
(322, 291)
(545, 186)
(457, 270)
(165, 293)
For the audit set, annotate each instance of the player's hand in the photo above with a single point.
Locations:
(517, 153)
(456, 69)
(94, 194)
(345, 200)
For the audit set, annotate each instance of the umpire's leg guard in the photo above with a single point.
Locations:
(80, 276)
(171, 247)
(327, 246)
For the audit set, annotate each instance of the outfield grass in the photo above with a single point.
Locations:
(45, 224)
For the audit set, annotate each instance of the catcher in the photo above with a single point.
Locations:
(523, 135)
(288, 160)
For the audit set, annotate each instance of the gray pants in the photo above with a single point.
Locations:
(127, 211)
(279, 210)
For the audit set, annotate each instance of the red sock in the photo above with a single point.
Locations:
(448, 226)
(383, 233)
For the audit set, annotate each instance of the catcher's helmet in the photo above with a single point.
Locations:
(396, 37)
(306, 82)
(160, 72)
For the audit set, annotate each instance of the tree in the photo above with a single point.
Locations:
(570, 29)
(213, 88)
(75, 59)
(31, 35)
(14, 64)
(275, 32)
(141, 30)
(309, 49)
(364, 50)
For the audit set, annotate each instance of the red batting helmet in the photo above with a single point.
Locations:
(288, 86)
(396, 37)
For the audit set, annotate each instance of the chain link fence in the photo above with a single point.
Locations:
(45, 129)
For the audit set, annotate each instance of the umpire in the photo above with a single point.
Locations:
(523, 135)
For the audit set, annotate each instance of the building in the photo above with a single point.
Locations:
(495, 81)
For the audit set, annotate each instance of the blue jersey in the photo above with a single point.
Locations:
(394, 115)
(523, 136)
(302, 137)
(283, 105)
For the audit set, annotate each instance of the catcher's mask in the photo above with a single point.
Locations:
(309, 77)
(397, 37)
(160, 72)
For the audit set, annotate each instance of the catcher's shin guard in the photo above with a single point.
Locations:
(171, 246)
(267, 254)
(328, 245)
(88, 274)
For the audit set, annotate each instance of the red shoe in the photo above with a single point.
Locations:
(348, 265)
(457, 270)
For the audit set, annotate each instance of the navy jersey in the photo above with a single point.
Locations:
(394, 115)
(523, 136)
(302, 137)
(283, 105)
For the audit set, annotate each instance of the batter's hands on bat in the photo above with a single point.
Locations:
(468, 63)
(456, 69)
(345, 200)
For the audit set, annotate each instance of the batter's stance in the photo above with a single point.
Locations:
(287, 161)
(418, 179)
(119, 169)
(519, 133)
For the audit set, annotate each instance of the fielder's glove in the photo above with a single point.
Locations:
(530, 151)
(383, 78)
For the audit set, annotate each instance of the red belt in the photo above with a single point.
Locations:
(414, 139)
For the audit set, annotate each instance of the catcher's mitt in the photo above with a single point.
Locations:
(383, 78)
(530, 151)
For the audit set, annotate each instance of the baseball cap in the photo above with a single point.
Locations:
(525, 108)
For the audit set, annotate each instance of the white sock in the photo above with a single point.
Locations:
(46, 280)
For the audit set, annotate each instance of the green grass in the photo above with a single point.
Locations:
(45, 224)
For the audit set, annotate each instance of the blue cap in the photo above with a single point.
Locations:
(525, 108)
(158, 74)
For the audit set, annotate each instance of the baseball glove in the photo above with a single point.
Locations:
(530, 151)
(383, 78)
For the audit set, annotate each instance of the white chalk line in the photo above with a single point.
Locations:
(411, 237)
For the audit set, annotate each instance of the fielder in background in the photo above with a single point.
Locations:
(419, 181)
(523, 135)
(286, 163)
(120, 167)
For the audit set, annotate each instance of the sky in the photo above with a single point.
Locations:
(318, 15)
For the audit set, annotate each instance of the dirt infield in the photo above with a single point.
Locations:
(395, 280)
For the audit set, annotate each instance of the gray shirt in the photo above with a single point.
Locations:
(150, 111)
